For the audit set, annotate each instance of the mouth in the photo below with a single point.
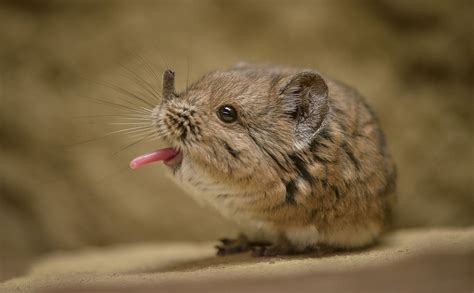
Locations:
(170, 156)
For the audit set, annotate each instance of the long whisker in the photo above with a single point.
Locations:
(149, 134)
(131, 144)
(120, 90)
(109, 103)
(149, 65)
(162, 62)
(131, 129)
(131, 94)
(188, 60)
(123, 91)
(121, 131)
(130, 123)
(115, 116)
(140, 110)
(142, 83)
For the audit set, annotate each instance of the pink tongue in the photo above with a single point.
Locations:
(159, 155)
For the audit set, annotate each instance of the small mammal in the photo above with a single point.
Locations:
(297, 159)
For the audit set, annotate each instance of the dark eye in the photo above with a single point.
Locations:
(227, 113)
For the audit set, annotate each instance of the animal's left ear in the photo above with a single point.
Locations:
(305, 99)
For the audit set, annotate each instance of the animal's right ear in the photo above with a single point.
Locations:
(305, 99)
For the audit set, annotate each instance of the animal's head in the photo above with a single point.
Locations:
(239, 126)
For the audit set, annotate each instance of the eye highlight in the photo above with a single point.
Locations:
(227, 113)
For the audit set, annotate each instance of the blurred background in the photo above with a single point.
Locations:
(63, 189)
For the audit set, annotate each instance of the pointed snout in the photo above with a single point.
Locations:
(168, 85)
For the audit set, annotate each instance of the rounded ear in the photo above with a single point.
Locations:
(305, 99)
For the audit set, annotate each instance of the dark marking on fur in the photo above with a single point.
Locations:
(290, 192)
(351, 156)
(184, 133)
(336, 191)
(183, 115)
(315, 145)
(176, 168)
(267, 152)
(302, 168)
(194, 130)
(325, 134)
(324, 183)
(234, 153)
(316, 157)
(295, 114)
(313, 214)
(172, 119)
(275, 159)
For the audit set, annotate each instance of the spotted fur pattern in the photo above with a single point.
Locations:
(306, 159)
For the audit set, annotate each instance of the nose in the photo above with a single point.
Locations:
(168, 91)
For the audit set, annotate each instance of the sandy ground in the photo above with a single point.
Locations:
(421, 260)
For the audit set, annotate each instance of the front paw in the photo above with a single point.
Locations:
(285, 248)
(273, 250)
(232, 246)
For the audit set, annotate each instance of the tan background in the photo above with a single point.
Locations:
(413, 62)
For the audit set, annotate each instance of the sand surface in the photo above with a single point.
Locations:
(181, 266)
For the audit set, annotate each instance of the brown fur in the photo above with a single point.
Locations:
(306, 151)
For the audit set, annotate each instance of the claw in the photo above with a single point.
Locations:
(272, 250)
(258, 250)
(227, 241)
(220, 250)
(231, 246)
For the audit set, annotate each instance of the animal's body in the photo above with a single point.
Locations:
(295, 158)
